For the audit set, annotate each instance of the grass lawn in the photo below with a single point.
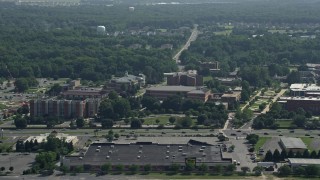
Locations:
(32, 90)
(284, 123)
(2, 106)
(223, 33)
(261, 142)
(207, 78)
(307, 141)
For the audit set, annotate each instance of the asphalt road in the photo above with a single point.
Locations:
(192, 37)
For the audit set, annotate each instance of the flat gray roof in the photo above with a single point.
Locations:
(153, 154)
(294, 143)
(304, 161)
(172, 88)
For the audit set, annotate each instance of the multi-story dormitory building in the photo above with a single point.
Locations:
(64, 108)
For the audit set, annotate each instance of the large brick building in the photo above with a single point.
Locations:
(64, 108)
(311, 104)
(189, 78)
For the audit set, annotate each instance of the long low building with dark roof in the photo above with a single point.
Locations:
(191, 92)
(159, 156)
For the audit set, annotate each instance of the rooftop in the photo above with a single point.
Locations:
(304, 161)
(173, 88)
(304, 87)
(299, 98)
(148, 153)
(290, 142)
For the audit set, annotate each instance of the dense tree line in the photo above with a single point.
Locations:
(300, 118)
(208, 113)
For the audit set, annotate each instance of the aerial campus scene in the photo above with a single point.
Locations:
(159, 89)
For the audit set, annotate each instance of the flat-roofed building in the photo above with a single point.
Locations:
(297, 162)
(159, 156)
(189, 78)
(120, 84)
(293, 144)
(163, 92)
(300, 89)
(311, 104)
(64, 108)
(84, 93)
(231, 97)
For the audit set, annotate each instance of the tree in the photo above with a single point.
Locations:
(21, 85)
(11, 168)
(299, 120)
(231, 168)
(298, 155)
(293, 77)
(157, 121)
(106, 123)
(284, 170)
(312, 170)
(306, 154)
(268, 157)
(290, 154)
(299, 170)
(133, 168)
(55, 90)
(80, 122)
(189, 167)
(23, 109)
(113, 95)
(252, 138)
(221, 137)
(276, 155)
(313, 154)
(203, 168)
(172, 119)
(257, 170)
(20, 122)
(185, 122)
(2, 168)
(78, 169)
(121, 107)
(135, 123)
(174, 168)
(147, 168)
(202, 118)
(217, 169)
(119, 167)
(64, 169)
(244, 170)
(283, 155)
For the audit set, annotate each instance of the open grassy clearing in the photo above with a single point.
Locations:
(223, 33)
(307, 141)
(284, 123)
(207, 78)
(261, 142)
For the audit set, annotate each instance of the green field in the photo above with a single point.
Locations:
(2, 106)
(152, 120)
(284, 123)
(307, 141)
(207, 78)
(261, 142)
(223, 33)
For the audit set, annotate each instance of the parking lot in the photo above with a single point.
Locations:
(19, 161)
